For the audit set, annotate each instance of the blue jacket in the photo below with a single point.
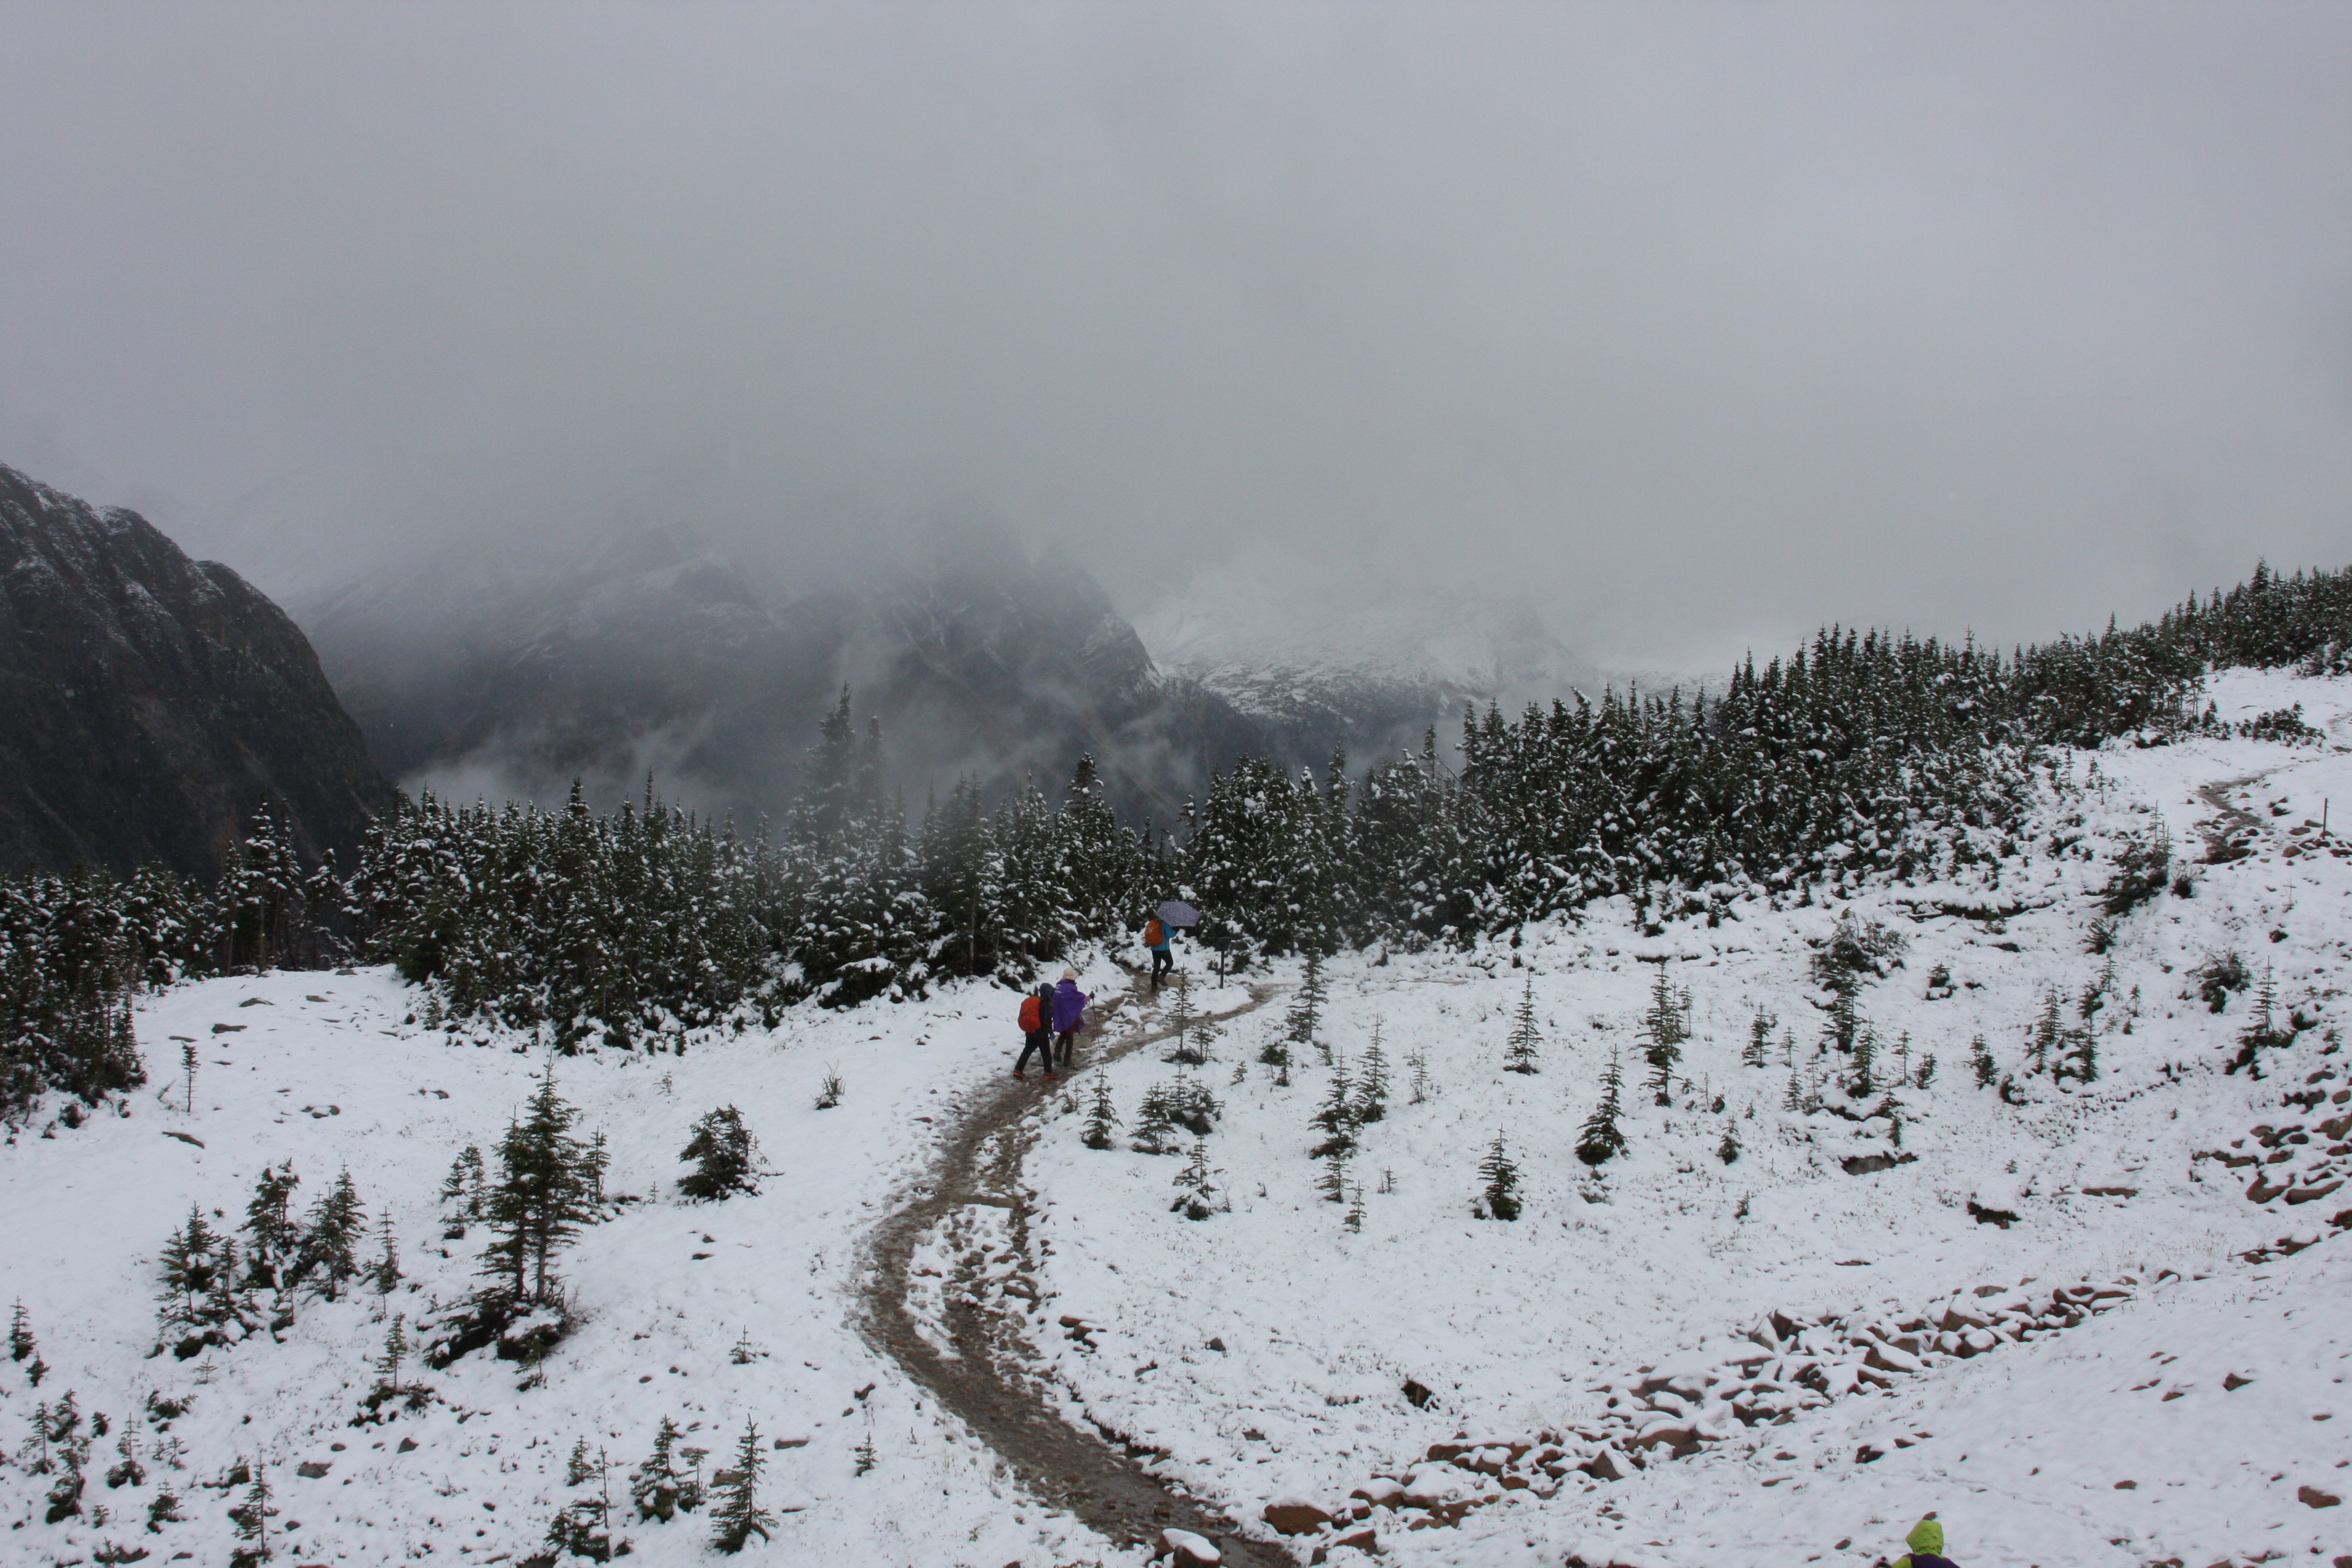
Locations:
(1069, 1006)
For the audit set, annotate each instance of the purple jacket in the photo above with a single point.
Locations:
(1069, 1006)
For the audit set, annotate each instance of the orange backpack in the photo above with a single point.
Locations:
(1153, 933)
(1032, 1018)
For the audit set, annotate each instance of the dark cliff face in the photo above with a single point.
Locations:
(512, 675)
(148, 702)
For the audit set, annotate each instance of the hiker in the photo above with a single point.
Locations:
(1927, 1543)
(1069, 1017)
(1156, 938)
(1036, 1035)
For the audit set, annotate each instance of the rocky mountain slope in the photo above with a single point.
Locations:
(148, 702)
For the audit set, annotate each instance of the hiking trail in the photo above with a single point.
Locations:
(990, 1381)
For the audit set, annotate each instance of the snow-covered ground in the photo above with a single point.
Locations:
(1266, 1349)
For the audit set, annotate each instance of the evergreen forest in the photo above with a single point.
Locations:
(1862, 754)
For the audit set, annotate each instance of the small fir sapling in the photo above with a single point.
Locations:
(163, 1508)
(252, 1519)
(1498, 1198)
(385, 1273)
(1728, 1150)
(1664, 1027)
(1155, 1121)
(583, 1527)
(1372, 1085)
(1196, 1195)
(68, 1446)
(727, 1157)
(127, 1472)
(1795, 1099)
(737, 1515)
(273, 1240)
(1336, 1117)
(744, 1353)
(2049, 1031)
(462, 1194)
(1980, 1062)
(541, 1197)
(1759, 1040)
(1333, 1182)
(1845, 1017)
(1388, 1179)
(2261, 1032)
(1101, 1116)
(1354, 1219)
(1903, 1056)
(21, 1346)
(190, 1264)
(395, 1351)
(188, 1071)
(1306, 1014)
(1865, 1059)
(1926, 1073)
(2219, 974)
(1522, 1052)
(828, 1088)
(656, 1487)
(1601, 1138)
(1419, 1062)
(330, 1239)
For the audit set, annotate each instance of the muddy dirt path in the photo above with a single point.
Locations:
(2232, 820)
(990, 1382)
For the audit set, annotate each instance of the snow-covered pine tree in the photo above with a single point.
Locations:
(1196, 1192)
(330, 1239)
(1980, 1061)
(583, 1527)
(2261, 1032)
(273, 1241)
(1306, 1016)
(1354, 1219)
(1336, 1117)
(1865, 1057)
(127, 1472)
(384, 1272)
(21, 1344)
(1728, 1150)
(1101, 1116)
(190, 1264)
(68, 1447)
(1373, 1082)
(1333, 1181)
(395, 1351)
(1417, 1060)
(1498, 1198)
(1664, 1029)
(1603, 1139)
(463, 1191)
(727, 1156)
(2049, 1033)
(658, 1489)
(1522, 1052)
(1155, 1121)
(541, 1199)
(737, 1515)
(1759, 1040)
(252, 1519)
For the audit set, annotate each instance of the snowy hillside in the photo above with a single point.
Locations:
(2091, 1313)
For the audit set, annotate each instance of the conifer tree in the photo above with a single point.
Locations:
(1196, 1197)
(463, 1191)
(1663, 1029)
(68, 1442)
(583, 1527)
(21, 1346)
(273, 1242)
(1306, 1014)
(1759, 1040)
(1526, 1041)
(1980, 1061)
(1500, 1197)
(1603, 1138)
(541, 1196)
(2262, 1031)
(252, 1517)
(127, 1471)
(1795, 1099)
(727, 1154)
(1336, 1117)
(191, 1263)
(1419, 1062)
(2049, 1031)
(737, 1516)
(395, 1351)
(1865, 1057)
(1333, 1182)
(330, 1239)
(657, 1487)
(1728, 1150)
(1155, 1121)
(188, 1076)
(385, 1273)
(162, 1510)
(1101, 1116)
(1372, 1083)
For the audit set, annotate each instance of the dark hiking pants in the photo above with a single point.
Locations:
(1069, 1040)
(1034, 1042)
(1162, 960)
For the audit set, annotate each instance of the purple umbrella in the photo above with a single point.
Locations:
(1176, 912)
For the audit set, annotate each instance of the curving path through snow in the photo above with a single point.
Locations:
(985, 1380)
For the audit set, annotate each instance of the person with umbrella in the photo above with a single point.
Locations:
(1158, 931)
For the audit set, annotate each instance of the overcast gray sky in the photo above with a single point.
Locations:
(1697, 325)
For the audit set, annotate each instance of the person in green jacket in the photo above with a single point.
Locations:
(1927, 1543)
